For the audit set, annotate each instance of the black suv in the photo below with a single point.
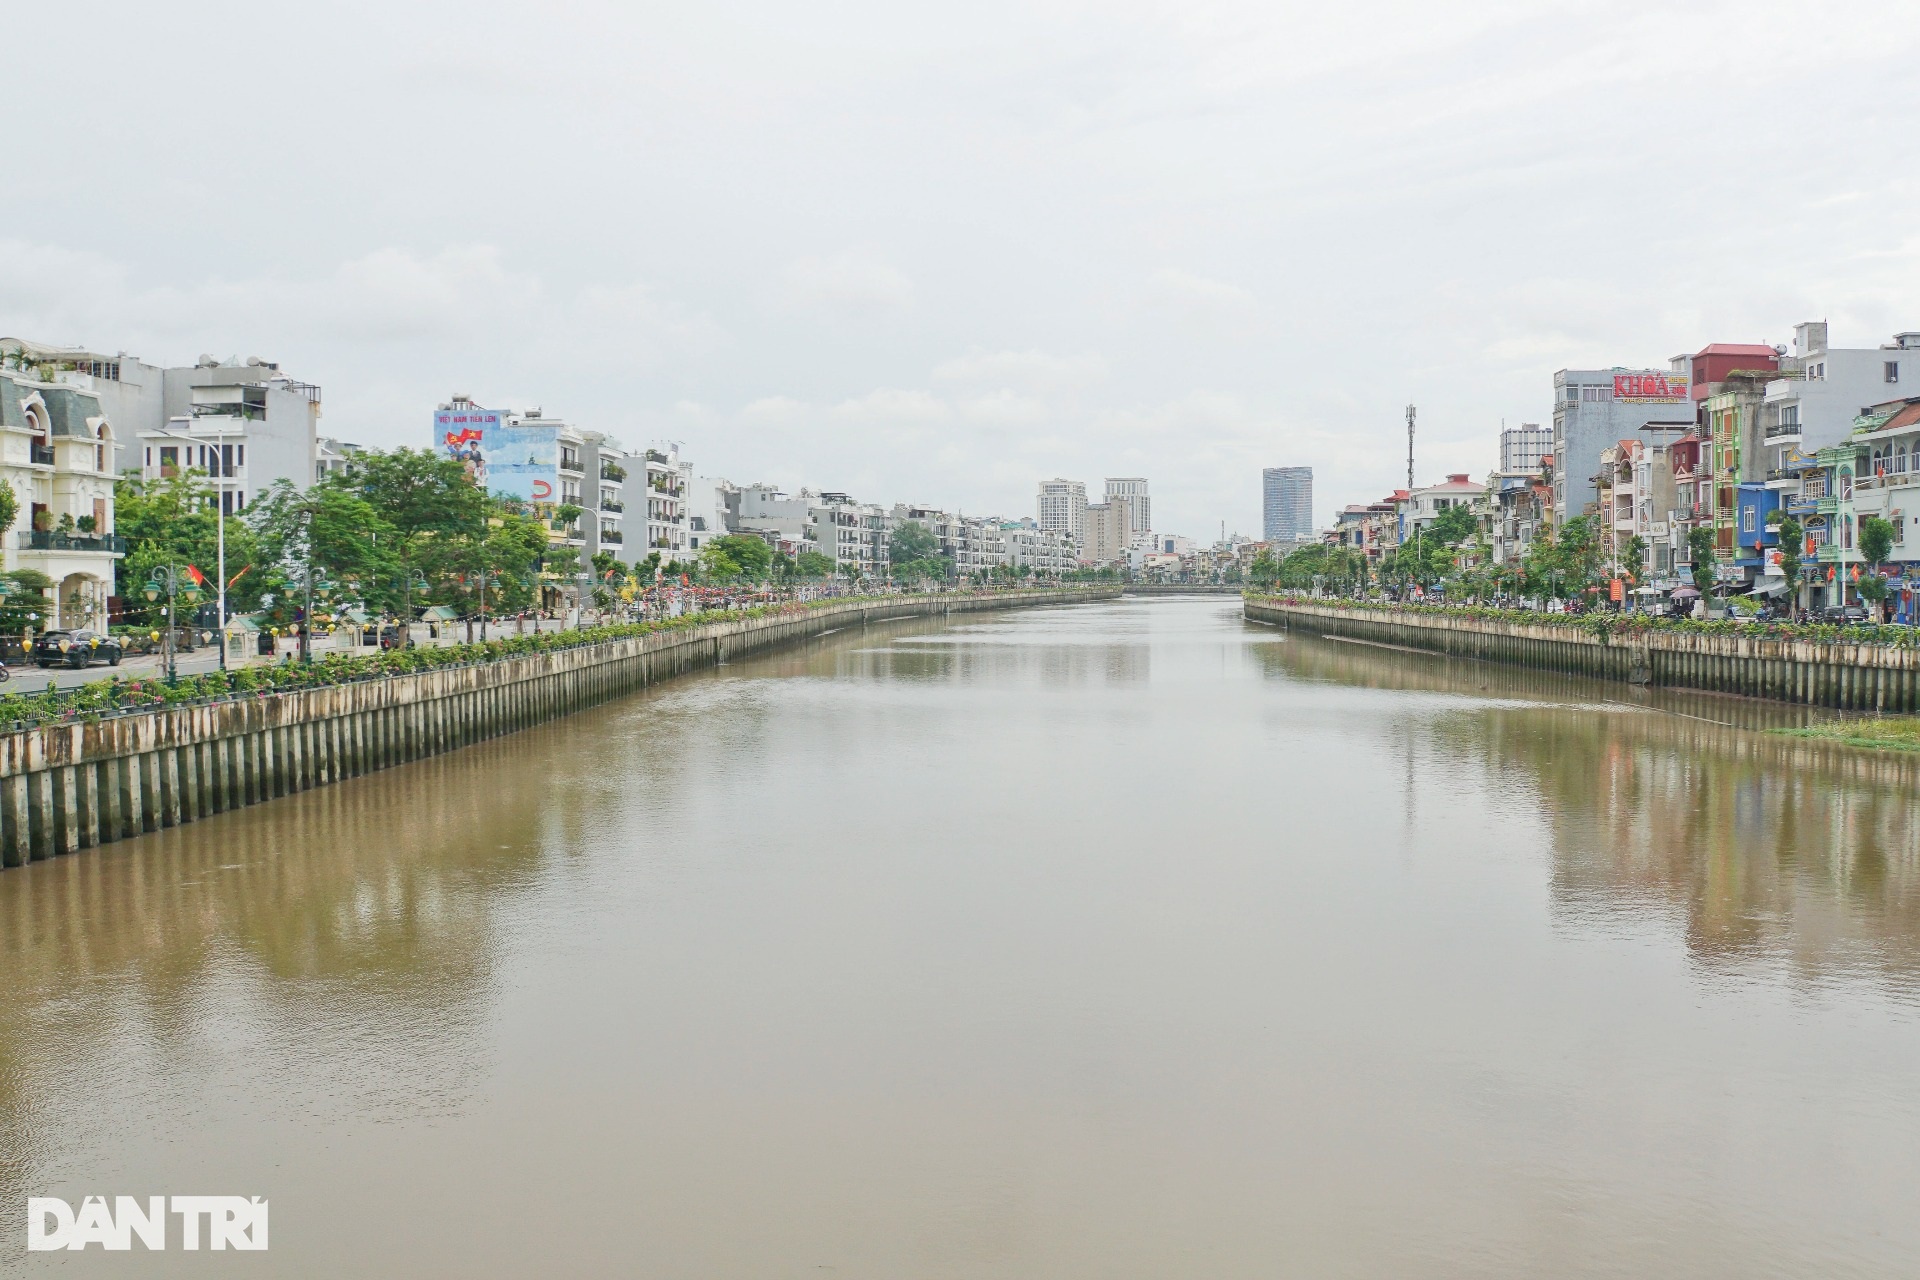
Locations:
(75, 649)
(1844, 614)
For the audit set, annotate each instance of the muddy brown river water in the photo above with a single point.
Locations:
(1120, 940)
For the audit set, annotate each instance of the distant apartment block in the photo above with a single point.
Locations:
(1062, 508)
(1139, 503)
(1287, 502)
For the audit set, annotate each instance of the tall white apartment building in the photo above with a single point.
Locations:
(1063, 507)
(1139, 503)
(1523, 447)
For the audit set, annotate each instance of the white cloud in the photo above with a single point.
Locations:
(1198, 294)
(889, 406)
(773, 409)
(850, 281)
(1027, 369)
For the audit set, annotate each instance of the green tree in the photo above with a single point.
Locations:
(1876, 544)
(736, 555)
(811, 564)
(1265, 570)
(333, 528)
(1453, 526)
(1701, 541)
(1633, 554)
(1792, 538)
(27, 604)
(173, 521)
(912, 541)
(1564, 560)
(1876, 540)
(9, 507)
(422, 496)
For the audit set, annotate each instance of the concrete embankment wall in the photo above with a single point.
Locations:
(71, 786)
(1854, 677)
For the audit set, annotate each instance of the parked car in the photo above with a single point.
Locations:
(75, 649)
(1844, 614)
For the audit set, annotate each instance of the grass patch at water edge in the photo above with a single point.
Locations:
(1891, 733)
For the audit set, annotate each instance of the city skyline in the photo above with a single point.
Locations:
(1125, 254)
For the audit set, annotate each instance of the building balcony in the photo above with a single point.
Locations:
(1833, 553)
(48, 540)
(1784, 433)
(613, 472)
(40, 455)
(613, 536)
(608, 504)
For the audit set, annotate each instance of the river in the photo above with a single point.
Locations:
(1119, 940)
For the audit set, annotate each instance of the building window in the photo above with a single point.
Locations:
(1893, 371)
(1746, 519)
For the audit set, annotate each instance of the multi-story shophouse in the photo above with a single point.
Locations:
(1595, 409)
(1636, 498)
(1687, 459)
(57, 454)
(1731, 419)
(1887, 485)
(854, 535)
(603, 477)
(1826, 510)
(653, 489)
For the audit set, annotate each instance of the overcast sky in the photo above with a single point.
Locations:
(935, 253)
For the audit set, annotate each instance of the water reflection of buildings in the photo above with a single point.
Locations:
(988, 655)
(1674, 805)
(1765, 847)
(356, 915)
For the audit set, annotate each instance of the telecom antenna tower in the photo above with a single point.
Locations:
(1409, 451)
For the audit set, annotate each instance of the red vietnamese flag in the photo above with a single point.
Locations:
(199, 578)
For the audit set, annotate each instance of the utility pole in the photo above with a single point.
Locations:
(1410, 511)
(1410, 452)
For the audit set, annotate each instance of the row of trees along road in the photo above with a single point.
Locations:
(408, 528)
(1452, 553)
(397, 531)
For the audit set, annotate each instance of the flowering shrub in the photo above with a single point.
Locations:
(93, 699)
(1633, 624)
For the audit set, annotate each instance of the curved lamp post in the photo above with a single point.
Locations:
(170, 582)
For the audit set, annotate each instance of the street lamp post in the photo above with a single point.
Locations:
(169, 581)
(218, 471)
(323, 588)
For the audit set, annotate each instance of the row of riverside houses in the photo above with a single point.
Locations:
(74, 420)
(1729, 439)
(70, 420)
